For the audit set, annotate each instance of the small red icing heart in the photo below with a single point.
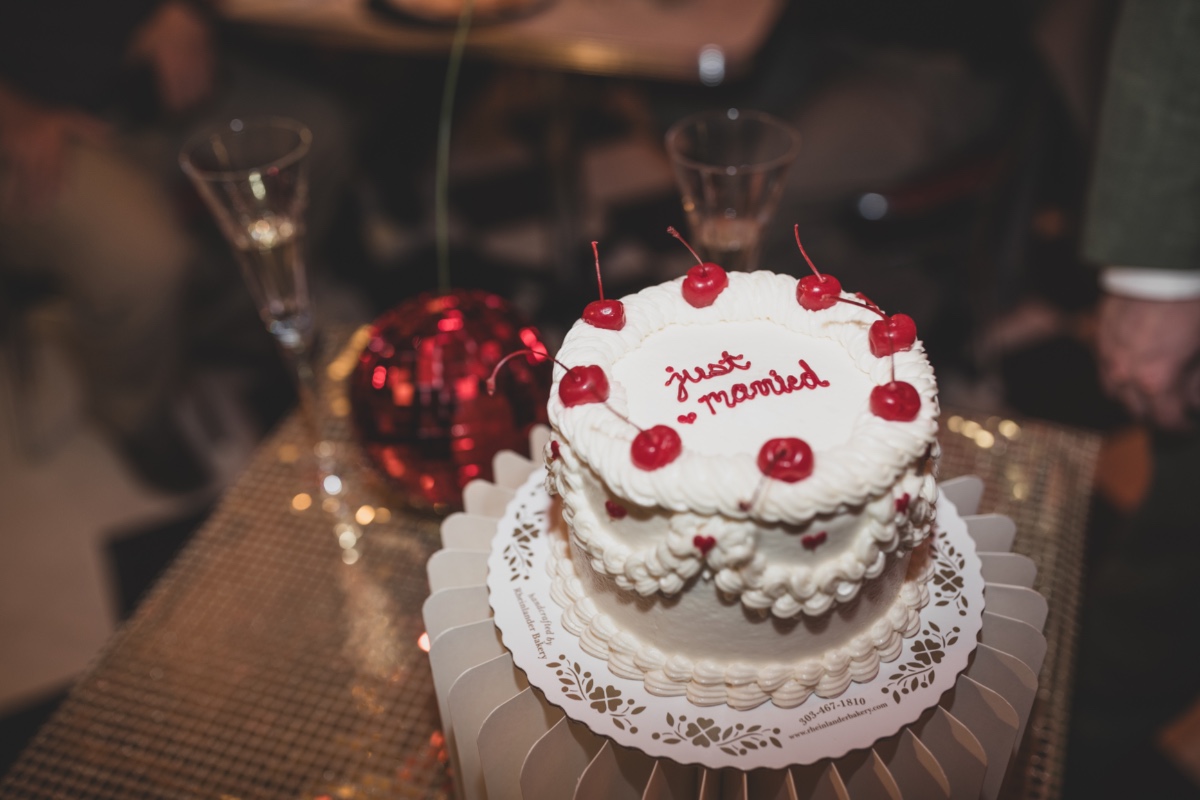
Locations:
(814, 540)
(704, 282)
(615, 509)
(895, 401)
(688, 418)
(704, 543)
(895, 334)
(655, 447)
(607, 314)
(816, 293)
(902, 503)
(554, 454)
(585, 384)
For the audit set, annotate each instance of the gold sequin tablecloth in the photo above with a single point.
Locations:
(263, 666)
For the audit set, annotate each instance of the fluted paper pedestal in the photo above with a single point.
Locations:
(507, 742)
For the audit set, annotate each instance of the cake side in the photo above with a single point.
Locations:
(788, 569)
(785, 665)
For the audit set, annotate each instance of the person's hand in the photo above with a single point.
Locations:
(33, 147)
(1150, 357)
(177, 45)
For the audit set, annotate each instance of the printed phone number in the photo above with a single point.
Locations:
(857, 705)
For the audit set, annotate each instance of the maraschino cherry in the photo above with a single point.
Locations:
(655, 447)
(888, 335)
(607, 314)
(895, 401)
(705, 281)
(788, 459)
(815, 292)
(581, 385)
(895, 333)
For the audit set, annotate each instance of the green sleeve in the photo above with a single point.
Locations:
(1144, 204)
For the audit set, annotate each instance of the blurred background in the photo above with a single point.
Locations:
(945, 156)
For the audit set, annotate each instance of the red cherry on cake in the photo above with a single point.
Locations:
(818, 292)
(893, 334)
(581, 385)
(607, 314)
(703, 283)
(895, 401)
(655, 447)
(815, 292)
(788, 460)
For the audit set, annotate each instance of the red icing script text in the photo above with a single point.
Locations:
(763, 387)
(725, 365)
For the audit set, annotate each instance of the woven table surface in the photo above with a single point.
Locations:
(264, 666)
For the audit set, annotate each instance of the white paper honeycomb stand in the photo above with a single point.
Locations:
(506, 742)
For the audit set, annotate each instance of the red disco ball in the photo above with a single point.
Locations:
(419, 396)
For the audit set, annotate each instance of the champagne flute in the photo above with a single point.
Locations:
(730, 166)
(253, 175)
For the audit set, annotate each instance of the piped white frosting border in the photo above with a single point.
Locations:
(877, 453)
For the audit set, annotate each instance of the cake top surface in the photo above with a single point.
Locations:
(751, 367)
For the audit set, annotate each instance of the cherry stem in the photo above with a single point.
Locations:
(623, 417)
(866, 300)
(599, 283)
(676, 234)
(759, 491)
(872, 307)
(811, 265)
(528, 351)
(761, 488)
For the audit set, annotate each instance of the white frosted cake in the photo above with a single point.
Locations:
(747, 520)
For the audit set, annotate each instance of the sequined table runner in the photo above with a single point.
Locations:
(264, 666)
(1039, 475)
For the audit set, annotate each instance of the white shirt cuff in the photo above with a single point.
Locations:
(1151, 284)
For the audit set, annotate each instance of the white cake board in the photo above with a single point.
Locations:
(960, 748)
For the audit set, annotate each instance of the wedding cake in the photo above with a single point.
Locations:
(746, 467)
